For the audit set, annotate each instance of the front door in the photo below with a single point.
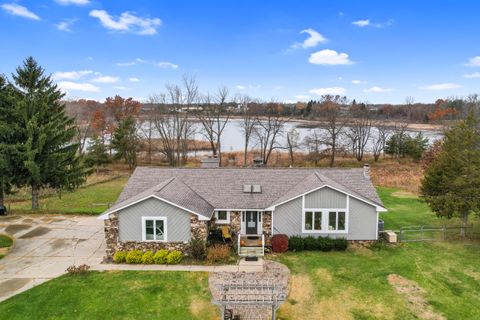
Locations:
(251, 221)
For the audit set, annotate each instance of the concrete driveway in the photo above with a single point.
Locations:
(45, 246)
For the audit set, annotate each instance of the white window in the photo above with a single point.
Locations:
(313, 220)
(154, 228)
(222, 217)
(324, 221)
(336, 220)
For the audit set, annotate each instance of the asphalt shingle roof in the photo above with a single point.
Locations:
(203, 190)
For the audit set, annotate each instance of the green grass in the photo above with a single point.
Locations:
(353, 284)
(405, 209)
(5, 241)
(115, 295)
(81, 200)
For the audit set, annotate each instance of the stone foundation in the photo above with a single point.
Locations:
(361, 243)
(198, 230)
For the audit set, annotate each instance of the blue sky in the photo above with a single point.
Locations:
(373, 51)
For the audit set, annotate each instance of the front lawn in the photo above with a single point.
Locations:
(115, 295)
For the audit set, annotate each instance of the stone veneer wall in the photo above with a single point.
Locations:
(235, 222)
(198, 229)
(267, 223)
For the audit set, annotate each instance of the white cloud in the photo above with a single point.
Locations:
(160, 64)
(376, 89)
(361, 23)
(77, 86)
(302, 97)
(330, 90)
(71, 75)
(441, 86)
(133, 79)
(74, 2)
(240, 87)
(127, 22)
(314, 38)
(474, 62)
(18, 10)
(166, 65)
(329, 57)
(359, 82)
(65, 25)
(122, 88)
(106, 79)
(367, 23)
(472, 75)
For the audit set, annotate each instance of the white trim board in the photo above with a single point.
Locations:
(200, 217)
(378, 207)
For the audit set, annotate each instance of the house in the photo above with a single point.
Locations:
(165, 207)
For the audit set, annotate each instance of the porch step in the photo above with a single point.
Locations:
(251, 251)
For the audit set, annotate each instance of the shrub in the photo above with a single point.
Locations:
(160, 256)
(174, 257)
(218, 253)
(340, 244)
(295, 243)
(134, 257)
(147, 258)
(197, 249)
(279, 243)
(76, 270)
(310, 243)
(119, 256)
(325, 243)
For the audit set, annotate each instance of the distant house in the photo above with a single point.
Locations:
(165, 208)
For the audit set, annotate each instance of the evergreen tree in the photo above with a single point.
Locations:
(125, 141)
(49, 158)
(8, 144)
(97, 153)
(451, 185)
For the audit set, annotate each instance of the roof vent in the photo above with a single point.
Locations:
(366, 171)
(248, 188)
(256, 188)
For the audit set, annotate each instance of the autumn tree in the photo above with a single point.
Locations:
(451, 185)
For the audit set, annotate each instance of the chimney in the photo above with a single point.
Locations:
(210, 162)
(366, 171)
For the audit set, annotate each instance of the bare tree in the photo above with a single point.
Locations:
(269, 129)
(293, 143)
(146, 129)
(172, 121)
(409, 101)
(359, 130)
(380, 139)
(330, 109)
(214, 116)
(248, 122)
(313, 143)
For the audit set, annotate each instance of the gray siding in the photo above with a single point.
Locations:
(326, 198)
(287, 219)
(363, 221)
(130, 220)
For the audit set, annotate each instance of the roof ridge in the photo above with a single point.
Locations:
(186, 185)
(163, 184)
